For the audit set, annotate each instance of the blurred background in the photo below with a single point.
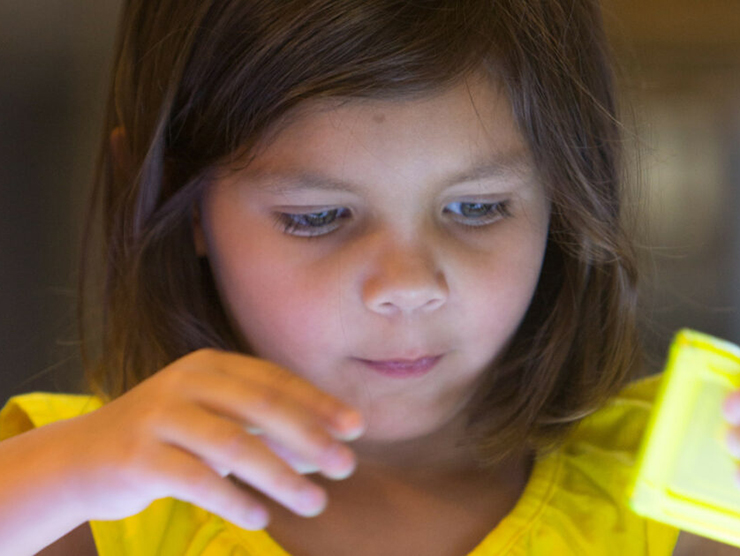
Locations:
(680, 86)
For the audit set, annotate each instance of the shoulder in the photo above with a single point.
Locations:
(595, 469)
(618, 426)
(690, 545)
(28, 411)
(604, 446)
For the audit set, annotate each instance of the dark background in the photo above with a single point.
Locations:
(680, 78)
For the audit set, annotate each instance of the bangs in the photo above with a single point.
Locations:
(250, 67)
(198, 82)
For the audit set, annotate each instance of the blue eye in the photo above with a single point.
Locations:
(479, 214)
(310, 224)
(314, 224)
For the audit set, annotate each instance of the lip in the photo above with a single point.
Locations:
(403, 368)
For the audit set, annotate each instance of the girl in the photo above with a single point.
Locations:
(363, 263)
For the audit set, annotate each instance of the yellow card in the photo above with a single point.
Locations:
(685, 475)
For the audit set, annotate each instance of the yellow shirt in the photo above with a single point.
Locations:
(574, 502)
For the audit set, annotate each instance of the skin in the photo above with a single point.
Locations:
(416, 266)
(407, 265)
(401, 275)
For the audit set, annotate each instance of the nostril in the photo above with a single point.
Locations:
(433, 304)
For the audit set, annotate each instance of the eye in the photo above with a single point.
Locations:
(310, 224)
(478, 214)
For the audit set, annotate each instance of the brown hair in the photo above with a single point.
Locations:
(199, 81)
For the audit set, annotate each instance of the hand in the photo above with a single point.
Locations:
(179, 433)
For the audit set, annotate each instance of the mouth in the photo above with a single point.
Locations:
(403, 368)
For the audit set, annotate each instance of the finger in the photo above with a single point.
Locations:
(296, 462)
(733, 442)
(344, 420)
(189, 479)
(731, 408)
(278, 417)
(228, 447)
(222, 471)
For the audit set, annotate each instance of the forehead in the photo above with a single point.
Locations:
(477, 100)
(467, 131)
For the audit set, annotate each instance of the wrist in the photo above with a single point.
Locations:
(37, 502)
(69, 476)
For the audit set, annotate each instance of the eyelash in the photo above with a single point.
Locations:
(289, 222)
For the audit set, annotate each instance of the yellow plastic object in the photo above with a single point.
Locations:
(685, 475)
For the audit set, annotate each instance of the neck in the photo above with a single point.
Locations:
(417, 458)
(431, 481)
(439, 452)
(432, 459)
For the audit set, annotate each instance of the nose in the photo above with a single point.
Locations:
(404, 281)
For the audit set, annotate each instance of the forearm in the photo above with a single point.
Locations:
(36, 498)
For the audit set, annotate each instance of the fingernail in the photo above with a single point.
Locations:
(338, 462)
(255, 519)
(311, 501)
(351, 426)
(339, 474)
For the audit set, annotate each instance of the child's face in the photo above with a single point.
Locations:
(393, 271)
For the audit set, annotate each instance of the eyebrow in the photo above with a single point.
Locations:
(514, 165)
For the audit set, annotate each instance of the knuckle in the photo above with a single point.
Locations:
(172, 378)
(149, 418)
(267, 399)
(179, 379)
(202, 357)
(206, 353)
(319, 440)
(287, 482)
(199, 483)
(233, 443)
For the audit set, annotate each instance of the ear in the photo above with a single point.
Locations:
(199, 238)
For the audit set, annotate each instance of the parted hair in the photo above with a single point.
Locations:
(197, 82)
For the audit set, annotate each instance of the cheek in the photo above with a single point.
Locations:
(276, 306)
(498, 293)
(280, 310)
